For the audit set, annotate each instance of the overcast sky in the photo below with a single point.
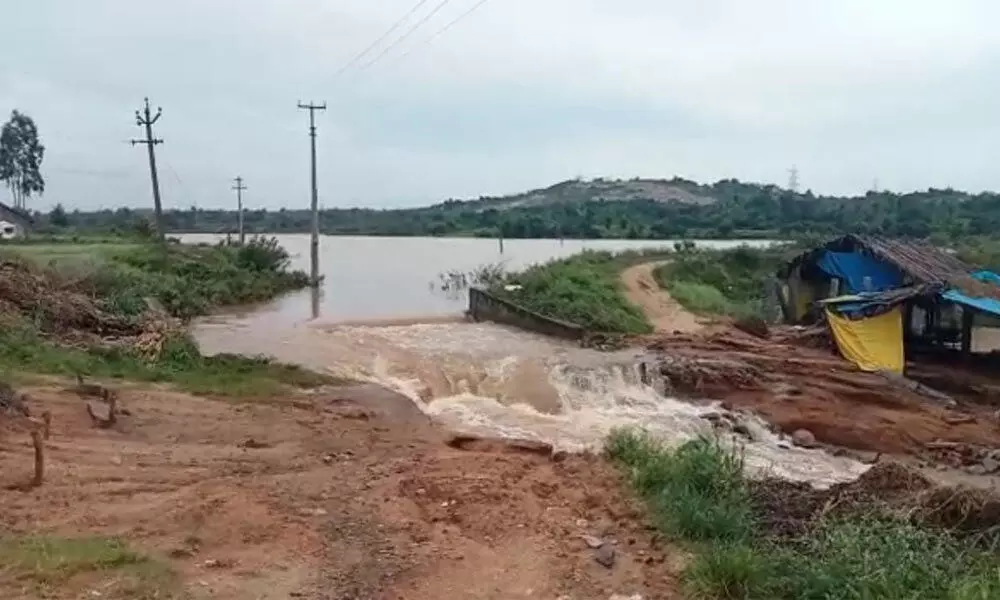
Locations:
(520, 94)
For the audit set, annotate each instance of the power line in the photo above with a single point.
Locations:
(381, 38)
(173, 171)
(406, 35)
(443, 30)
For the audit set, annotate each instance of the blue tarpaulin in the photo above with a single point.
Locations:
(854, 267)
(987, 277)
(988, 305)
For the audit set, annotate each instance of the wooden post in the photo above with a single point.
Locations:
(967, 319)
(39, 444)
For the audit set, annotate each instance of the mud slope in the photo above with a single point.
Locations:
(350, 493)
(662, 311)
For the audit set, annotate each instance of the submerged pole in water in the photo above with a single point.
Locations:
(500, 240)
(314, 242)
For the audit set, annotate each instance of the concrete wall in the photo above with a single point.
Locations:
(484, 306)
(9, 231)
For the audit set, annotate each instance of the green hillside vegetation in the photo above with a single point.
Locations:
(638, 208)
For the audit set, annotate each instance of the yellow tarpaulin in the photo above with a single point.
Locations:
(874, 344)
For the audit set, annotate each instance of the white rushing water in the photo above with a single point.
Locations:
(489, 379)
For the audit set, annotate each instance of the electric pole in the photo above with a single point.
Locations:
(239, 187)
(144, 118)
(314, 243)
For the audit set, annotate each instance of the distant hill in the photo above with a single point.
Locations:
(606, 208)
(608, 190)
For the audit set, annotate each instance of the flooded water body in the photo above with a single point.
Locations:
(391, 277)
(381, 323)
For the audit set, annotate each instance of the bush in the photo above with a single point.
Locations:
(582, 289)
(695, 492)
(722, 282)
(731, 571)
(192, 280)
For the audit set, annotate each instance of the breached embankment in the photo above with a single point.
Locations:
(492, 380)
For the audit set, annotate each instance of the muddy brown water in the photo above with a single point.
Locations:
(475, 377)
(489, 379)
(391, 277)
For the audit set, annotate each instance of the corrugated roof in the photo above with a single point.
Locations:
(921, 261)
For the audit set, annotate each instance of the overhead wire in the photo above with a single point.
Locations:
(405, 35)
(442, 31)
(381, 38)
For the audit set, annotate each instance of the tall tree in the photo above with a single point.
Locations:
(58, 217)
(21, 156)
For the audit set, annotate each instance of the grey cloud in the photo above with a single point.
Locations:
(522, 93)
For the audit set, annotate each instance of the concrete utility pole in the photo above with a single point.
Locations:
(144, 118)
(314, 243)
(239, 187)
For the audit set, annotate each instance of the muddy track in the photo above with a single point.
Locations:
(351, 493)
(662, 311)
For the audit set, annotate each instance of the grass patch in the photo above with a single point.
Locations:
(65, 292)
(47, 562)
(722, 282)
(706, 299)
(584, 289)
(180, 364)
(697, 494)
(188, 280)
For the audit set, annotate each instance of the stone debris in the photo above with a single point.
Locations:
(605, 556)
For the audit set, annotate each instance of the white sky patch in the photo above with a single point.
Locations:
(519, 94)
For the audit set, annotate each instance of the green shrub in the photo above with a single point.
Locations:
(881, 557)
(730, 571)
(190, 281)
(722, 282)
(582, 289)
(695, 492)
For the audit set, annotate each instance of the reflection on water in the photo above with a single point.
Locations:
(386, 277)
(489, 379)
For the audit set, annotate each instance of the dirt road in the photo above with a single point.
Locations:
(662, 311)
(349, 493)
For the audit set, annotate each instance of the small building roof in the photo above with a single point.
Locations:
(921, 262)
(7, 211)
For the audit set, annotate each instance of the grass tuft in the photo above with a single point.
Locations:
(46, 562)
(697, 494)
(729, 571)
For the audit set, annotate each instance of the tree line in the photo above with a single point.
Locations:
(738, 210)
(571, 209)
